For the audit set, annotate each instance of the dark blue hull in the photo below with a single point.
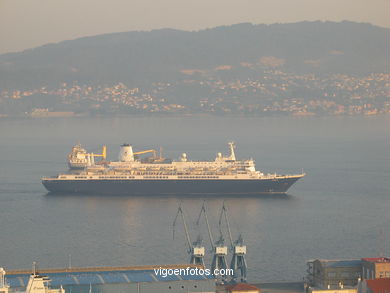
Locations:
(145, 187)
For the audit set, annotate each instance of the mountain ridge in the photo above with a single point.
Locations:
(143, 57)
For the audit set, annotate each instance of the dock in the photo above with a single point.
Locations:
(117, 279)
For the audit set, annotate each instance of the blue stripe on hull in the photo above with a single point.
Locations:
(171, 186)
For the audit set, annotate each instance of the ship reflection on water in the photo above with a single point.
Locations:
(208, 197)
(143, 225)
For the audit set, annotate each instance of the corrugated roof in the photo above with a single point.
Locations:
(341, 263)
(377, 259)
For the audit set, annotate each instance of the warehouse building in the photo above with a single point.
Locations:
(324, 273)
(375, 268)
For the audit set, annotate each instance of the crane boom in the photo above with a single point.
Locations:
(224, 213)
(103, 154)
(180, 211)
(146, 151)
(196, 250)
(203, 210)
(219, 249)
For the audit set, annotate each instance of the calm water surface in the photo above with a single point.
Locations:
(339, 210)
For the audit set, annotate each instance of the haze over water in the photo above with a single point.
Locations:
(337, 211)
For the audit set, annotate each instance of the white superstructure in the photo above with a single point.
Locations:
(36, 284)
(221, 166)
(79, 158)
(4, 288)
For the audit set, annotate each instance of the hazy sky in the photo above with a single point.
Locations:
(30, 23)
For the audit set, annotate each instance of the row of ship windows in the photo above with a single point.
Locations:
(147, 177)
(198, 177)
(116, 177)
(182, 177)
(103, 177)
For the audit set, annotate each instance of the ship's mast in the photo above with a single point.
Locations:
(232, 154)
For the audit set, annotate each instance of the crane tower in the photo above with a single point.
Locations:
(219, 249)
(238, 262)
(195, 249)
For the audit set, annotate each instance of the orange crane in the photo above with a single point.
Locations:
(103, 154)
(146, 151)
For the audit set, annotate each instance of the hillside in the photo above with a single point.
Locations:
(140, 58)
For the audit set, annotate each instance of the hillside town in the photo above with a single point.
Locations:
(273, 92)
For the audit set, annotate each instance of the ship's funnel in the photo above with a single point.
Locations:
(126, 154)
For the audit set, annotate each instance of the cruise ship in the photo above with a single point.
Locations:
(156, 175)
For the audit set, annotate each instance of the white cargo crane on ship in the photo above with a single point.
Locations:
(157, 175)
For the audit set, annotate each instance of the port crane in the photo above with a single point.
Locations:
(238, 262)
(218, 247)
(195, 249)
